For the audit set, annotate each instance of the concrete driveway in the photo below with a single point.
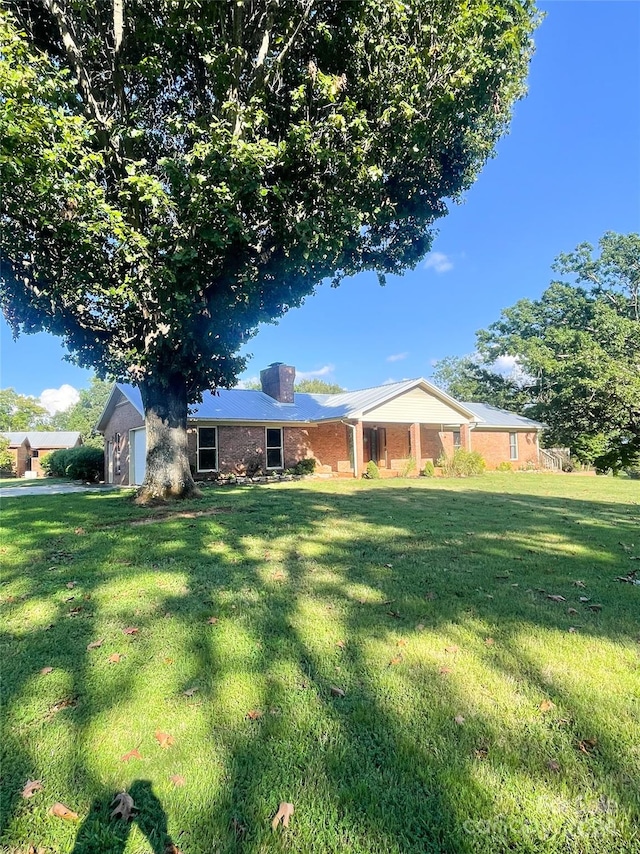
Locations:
(51, 489)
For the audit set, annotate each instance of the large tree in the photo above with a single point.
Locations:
(580, 343)
(20, 412)
(175, 173)
(468, 378)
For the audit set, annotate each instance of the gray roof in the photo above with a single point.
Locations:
(15, 439)
(247, 405)
(44, 438)
(491, 416)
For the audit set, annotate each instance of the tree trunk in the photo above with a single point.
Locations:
(168, 476)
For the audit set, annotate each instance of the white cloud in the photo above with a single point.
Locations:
(321, 372)
(59, 399)
(505, 365)
(397, 357)
(439, 262)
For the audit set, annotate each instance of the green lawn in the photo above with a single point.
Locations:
(423, 601)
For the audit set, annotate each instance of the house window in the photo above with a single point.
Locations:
(207, 449)
(116, 454)
(457, 441)
(513, 446)
(35, 453)
(274, 447)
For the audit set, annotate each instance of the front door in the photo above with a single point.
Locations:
(374, 440)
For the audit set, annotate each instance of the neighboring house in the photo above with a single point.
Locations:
(238, 430)
(28, 448)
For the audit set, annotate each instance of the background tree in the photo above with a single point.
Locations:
(20, 412)
(581, 343)
(83, 415)
(317, 386)
(467, 379)
(176, 175)
(7, 467)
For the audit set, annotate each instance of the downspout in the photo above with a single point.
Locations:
(355, 449)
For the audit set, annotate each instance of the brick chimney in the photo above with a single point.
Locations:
(277, 381)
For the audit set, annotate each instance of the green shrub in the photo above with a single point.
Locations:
(307, 466)
(6, 458)
(463, 463)
(504, 466)
(372, 471)
(83, 463)
(429, 469)
(55, 463)
(408, 467)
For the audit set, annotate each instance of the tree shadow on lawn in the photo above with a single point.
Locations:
(382, 768)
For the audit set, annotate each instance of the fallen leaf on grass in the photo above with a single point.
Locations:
(177, 780)
(337, 692)
(397, 659)
(341, 644)
(171, 848)
(445, 671)
(71, 584)
(168, 660)
(420, 627)
(481, 753)
(587, 745)
(114, 658)
(46, 670)
(190, 691)
(388, 566)
(546, 706)
(123, 806)
(552, 765)
(95, 644)
(164, 739)
(212, 621)
(130, 630)
(459, 719)
(254, 715)
(452, 649)
(395, 614)
(572, 630)
(75, 611)
(584, 599)
(401, 642)
(278, 576)
(31, 787)
(61, 811)
(571, 611)
(556, 597)
(285, 811)
(65, 703)
(132, 754)
(489, 641)
(595, 608)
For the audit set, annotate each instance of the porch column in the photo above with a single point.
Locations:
(416, 447)
(359, 451)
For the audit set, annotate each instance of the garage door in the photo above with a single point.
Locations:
(138, 445)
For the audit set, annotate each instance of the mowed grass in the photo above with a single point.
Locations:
(478, 714)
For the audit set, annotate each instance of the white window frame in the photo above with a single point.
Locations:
(200, 447)
(457, 433)
(117, 454)
(513, 446)
(268, 448)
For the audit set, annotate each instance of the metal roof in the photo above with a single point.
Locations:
(494, 417)
(249, 406)
(44, 438)
(15, 439)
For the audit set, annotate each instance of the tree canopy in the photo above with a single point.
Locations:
(84, 414)
(20, 412)
(174, 176)
(580, 344)
(467, 378)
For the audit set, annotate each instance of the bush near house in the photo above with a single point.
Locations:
(462, 463)
(83, 463)
(6, 459)
(372, 471)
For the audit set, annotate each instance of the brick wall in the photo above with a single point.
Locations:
(494, 447)
(329, 444)
(125, 417)
(20, 456)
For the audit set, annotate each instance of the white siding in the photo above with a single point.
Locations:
(416, 405)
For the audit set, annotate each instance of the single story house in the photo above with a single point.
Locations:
(239, 430)
(28, 448)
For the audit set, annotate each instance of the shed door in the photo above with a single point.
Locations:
(138, 445)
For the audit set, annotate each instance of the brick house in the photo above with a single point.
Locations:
(239, 430)
(30, 446)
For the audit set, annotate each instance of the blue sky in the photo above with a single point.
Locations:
(568, 171)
